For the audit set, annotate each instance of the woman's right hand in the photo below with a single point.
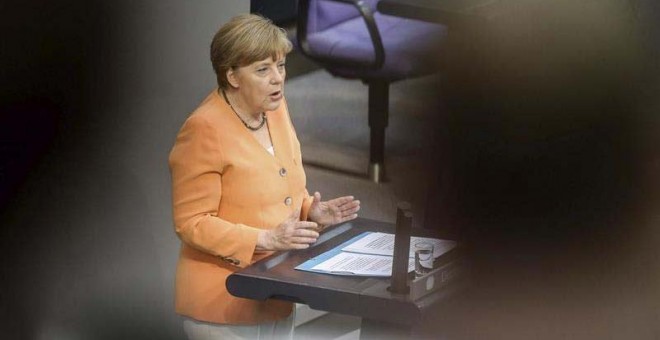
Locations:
(290, 234)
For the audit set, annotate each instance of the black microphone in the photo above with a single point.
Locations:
(399, 283)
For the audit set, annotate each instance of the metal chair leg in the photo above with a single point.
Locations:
(378, 120)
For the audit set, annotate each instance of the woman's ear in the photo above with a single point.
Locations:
(231, 78)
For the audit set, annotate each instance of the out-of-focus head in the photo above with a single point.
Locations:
(551, 161)
(544, 106)
(246, 39)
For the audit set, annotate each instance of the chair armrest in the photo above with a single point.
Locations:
(365, 12)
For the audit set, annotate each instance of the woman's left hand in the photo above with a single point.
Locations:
(334, 211)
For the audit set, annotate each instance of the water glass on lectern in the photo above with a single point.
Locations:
(423, 258)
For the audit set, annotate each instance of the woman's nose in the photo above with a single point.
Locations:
(278, 76)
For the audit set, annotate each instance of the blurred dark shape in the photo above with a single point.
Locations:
(548, 175)
(542, 114)
(26, 132)
(48, 51)
(55, 72)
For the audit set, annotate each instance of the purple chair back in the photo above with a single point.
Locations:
(324, 14)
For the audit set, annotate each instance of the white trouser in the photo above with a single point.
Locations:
(276, 330)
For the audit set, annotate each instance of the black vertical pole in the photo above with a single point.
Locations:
(378, 120)
(399, 282)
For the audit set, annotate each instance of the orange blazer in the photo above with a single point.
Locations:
(225, 188)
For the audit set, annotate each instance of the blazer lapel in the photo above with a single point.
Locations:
(279, 136)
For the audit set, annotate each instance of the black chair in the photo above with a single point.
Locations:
(351, 39)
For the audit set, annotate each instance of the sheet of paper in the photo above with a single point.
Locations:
(356, 264)
(383, 244)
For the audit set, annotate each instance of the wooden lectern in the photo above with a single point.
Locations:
(383, 313)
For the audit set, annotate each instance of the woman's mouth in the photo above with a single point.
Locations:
(277, 95)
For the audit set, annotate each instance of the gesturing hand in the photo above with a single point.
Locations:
(290, 234)
(334, 211)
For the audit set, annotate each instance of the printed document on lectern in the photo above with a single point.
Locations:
(355, 264)
(383, 244)
(366, 254)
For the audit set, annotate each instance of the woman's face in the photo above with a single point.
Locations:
(260, 85)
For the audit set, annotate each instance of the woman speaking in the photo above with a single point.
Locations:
(238, 186)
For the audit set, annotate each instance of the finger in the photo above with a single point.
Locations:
(347, 218)
(317, 197)
(350, 205)
(341, 200)
(305, 225)
(296, 243)
(303, 240)
(306, 233)
(299, 246)
(290, 246)
(349, 213)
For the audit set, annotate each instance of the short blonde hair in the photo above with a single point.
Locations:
(244, 40)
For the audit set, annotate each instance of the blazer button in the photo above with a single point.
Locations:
(283, 172)
(288, 201)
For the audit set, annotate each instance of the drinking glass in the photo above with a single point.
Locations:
(423, 258)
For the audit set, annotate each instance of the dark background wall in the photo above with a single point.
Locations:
(93, 93)
(281, 12)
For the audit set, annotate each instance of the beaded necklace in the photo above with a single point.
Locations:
(258, 127)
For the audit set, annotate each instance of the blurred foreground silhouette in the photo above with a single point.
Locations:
(550, 172)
